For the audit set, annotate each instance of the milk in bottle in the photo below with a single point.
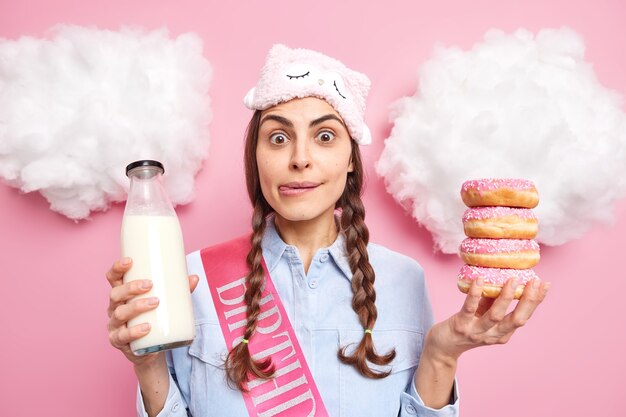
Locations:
(151, 236)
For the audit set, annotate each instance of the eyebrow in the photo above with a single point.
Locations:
(279, 119)
(286, 122)
(325, 118)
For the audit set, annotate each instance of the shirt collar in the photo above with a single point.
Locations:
(274, 247)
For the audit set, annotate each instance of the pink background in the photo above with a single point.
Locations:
(56, 359)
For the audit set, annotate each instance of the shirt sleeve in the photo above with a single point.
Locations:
(175, 405)
(410, 401)
(411, 404)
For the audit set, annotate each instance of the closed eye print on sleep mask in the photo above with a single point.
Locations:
(328, 80)
(298, 73)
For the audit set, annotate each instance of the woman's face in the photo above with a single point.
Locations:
(303, 155)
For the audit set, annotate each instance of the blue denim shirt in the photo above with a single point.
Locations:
(318, 304)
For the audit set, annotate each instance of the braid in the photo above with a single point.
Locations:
(239, 362)
(364, 294)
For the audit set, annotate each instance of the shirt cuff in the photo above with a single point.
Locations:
(412, 405)
(174, 406)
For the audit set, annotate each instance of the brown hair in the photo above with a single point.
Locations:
(239, 363)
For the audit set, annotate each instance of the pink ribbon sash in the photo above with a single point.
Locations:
(292, 392)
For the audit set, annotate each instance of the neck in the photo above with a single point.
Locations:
(308, 235)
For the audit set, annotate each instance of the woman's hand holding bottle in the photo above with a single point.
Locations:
(122, 308)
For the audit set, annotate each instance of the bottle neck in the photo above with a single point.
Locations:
(147, 195)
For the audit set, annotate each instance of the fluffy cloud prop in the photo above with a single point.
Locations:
(516, 105)
(78, 106)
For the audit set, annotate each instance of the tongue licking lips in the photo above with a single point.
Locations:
(292, 189)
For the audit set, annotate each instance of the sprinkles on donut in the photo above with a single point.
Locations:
(509, 192)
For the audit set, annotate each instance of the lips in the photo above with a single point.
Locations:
(296, 188)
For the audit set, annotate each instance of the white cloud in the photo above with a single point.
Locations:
(78, 106)
(515, 105)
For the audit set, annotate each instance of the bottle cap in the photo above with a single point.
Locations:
(144, 163)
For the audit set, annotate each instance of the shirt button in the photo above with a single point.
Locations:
(175, 407)
(324, 257)
(313, 283)
(410, 409)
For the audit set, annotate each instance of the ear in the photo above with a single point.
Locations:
(351, 166)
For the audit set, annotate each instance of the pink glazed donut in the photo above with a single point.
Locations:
(494, 279)
(500, 223)
(500, 253)
(506, 192)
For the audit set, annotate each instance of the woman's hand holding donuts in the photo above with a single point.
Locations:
(484, 321)
(122, 308)
(481, 321)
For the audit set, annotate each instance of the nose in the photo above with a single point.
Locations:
(300, 157)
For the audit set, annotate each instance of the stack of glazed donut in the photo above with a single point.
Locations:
(500, 227)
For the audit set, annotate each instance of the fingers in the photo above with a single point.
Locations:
(121, 337)
(533, 295)
(484, 305)
(115, 275)
(125, 312)
(485, 321)
(193, 282)
(468, 310)
(122, 309)
(497, 312)
(125, 292)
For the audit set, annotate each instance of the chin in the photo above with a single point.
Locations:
(298, 217)
(303, 214)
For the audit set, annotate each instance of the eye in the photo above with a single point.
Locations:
(325, 136)
(278, 139)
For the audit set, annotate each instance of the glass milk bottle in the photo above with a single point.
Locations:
(152, 237)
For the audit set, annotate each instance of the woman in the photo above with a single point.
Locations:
(359, 312)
